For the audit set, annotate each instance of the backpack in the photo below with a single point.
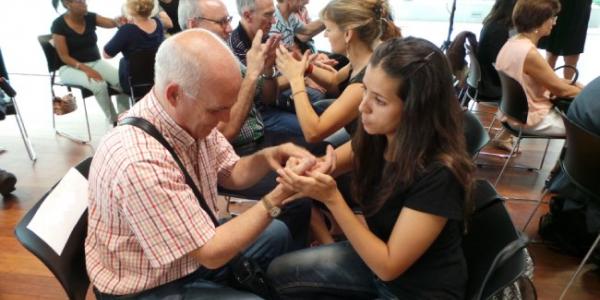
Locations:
(565, 227)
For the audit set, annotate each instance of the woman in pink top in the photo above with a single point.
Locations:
(520, 59)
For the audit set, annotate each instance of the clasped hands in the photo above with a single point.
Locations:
(307, 176)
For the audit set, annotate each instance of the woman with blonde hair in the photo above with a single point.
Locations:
(354, 28)
(141, 33)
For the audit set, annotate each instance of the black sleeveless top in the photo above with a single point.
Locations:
(358, 78)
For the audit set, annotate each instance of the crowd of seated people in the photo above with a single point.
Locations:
(154, 234)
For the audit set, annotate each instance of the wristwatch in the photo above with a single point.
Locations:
(273, 210)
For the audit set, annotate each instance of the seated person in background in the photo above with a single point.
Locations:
(170, 8)
(520, 59)
(412, 179)
(354, 28)
(495, 32)
(74, 36)
(141, 33)
(288, 25)
(148, 237)
(165, 19)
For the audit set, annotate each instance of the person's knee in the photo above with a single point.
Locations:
(98, 87)
(278, 237)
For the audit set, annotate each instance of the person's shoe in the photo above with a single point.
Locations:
(504, 144)
(7, 183)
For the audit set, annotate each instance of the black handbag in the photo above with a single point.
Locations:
(245, 273)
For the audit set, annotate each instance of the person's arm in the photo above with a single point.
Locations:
(327, 77)
(255, 59)
(236, 235)
(60, 44)
(344, 159)
(306, 32)
(537, 67)
(165, 20)
(413, 232)
(250, 169)
(105, 22)
(116, 44)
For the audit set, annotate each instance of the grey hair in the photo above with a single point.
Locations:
(188, 9)
(175, 63)
(245, 5)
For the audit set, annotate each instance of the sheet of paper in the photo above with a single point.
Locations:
(58, 215)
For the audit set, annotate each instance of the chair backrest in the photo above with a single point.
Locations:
(475, 134)
(493, 248)
(474, 76)
(582, 157)
(52, 58)
(141, 72)
(68, 267)
(514, 100)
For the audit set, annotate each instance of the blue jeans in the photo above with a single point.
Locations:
(211, 284)
(332, 271)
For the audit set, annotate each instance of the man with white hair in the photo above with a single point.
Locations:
(148, 235)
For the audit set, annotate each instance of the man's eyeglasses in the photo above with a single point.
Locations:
(223, 22)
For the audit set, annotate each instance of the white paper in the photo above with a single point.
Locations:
(57, 216)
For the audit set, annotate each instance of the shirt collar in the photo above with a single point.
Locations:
(165, 123)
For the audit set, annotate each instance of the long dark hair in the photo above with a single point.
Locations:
(501, 13)
(430, 128)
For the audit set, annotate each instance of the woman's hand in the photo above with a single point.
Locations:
(316, 185)
(91, 73)
(289, 66)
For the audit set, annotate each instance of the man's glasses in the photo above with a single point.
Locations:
(223, 22)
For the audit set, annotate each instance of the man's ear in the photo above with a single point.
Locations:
(247, 15)
(172, 94)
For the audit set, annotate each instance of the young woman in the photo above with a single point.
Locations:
(142, 33)
(412, 177)
(520, 59)
(74, 36)
(353, 28)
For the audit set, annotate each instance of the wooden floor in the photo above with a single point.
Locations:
(23, 277)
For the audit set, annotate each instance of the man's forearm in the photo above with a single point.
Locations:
(239, 111)
(248, 171)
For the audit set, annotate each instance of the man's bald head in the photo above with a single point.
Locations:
(197, 79)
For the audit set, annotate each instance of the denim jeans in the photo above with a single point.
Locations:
(332, 271)
(212, 284)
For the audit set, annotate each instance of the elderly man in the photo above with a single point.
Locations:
(148, 236)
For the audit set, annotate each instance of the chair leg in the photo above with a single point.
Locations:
(544, 156)
(537, 206)
(23, 130)
(587, 256)
(512, 151)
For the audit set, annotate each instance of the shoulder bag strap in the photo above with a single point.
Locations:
(151, 130)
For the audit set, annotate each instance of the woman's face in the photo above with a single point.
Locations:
(336, 37)
(546, 28)
(380, 108)
(76, 6)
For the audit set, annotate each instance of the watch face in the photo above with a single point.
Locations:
(275, 211)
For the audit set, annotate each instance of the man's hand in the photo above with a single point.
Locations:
(278, 156)
(258, 58)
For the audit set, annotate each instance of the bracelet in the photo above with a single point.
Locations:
(298, 92)
(309, 70)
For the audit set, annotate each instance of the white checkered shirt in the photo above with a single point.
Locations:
(144, 220)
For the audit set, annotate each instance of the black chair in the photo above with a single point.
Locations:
(69, 266)
(475, 134)
(581, 164)
(514, 105)
(54, 63)
(493, 248)
(10, 92)
(473, 81)
(141, 73)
